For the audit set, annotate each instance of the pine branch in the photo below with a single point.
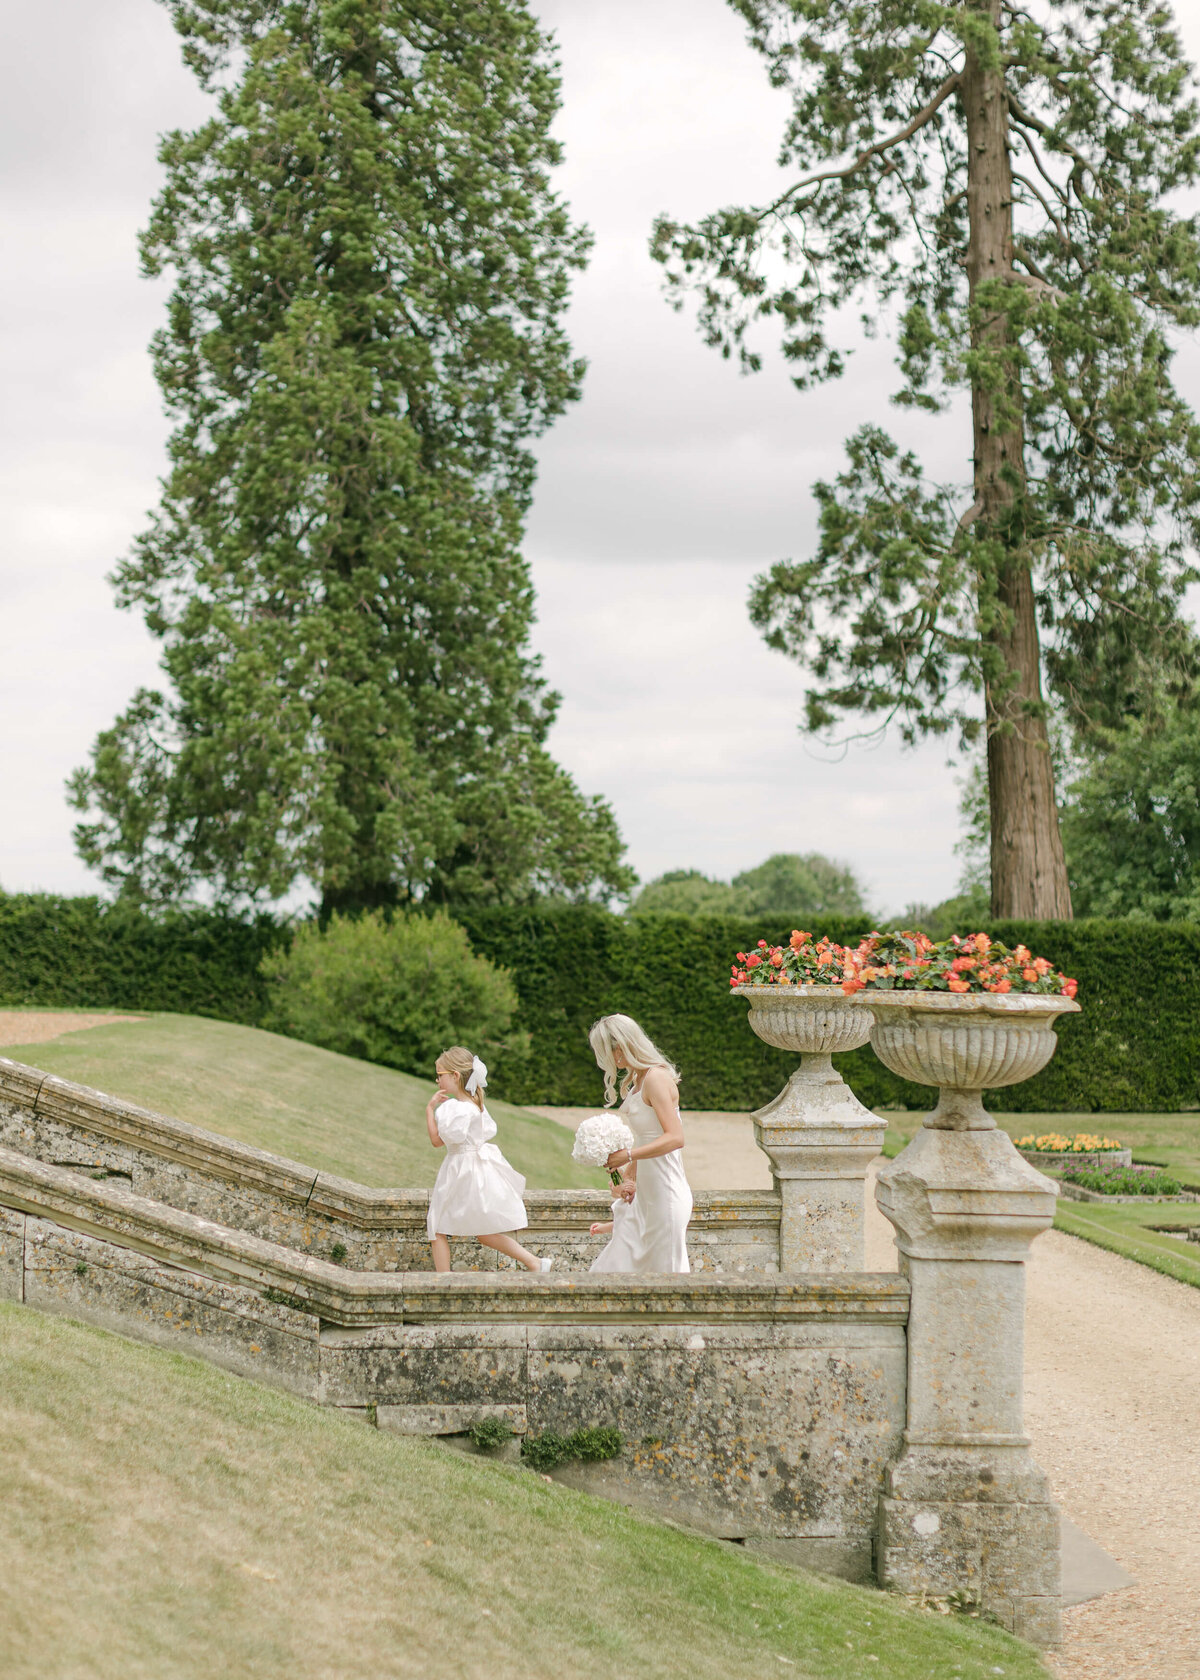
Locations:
(922, 119)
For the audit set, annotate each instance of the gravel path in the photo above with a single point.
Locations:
(1112, 1386)
(19, 1026)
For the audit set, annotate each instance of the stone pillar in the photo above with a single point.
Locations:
(965, 1509)
(820, 1141)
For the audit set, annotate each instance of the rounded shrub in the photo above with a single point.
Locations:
(391, 989)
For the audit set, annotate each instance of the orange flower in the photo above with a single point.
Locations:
(851, 983)
(1030, 974)
(1042, 966)
(799, 939)
(983, 943)
(777, 958)
(1022, 954)
(824, 957)
(957, 985)
(1070, 987)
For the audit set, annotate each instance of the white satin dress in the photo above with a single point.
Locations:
(476, 1193)
(650, 1233)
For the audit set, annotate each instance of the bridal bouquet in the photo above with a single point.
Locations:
(597, 1138)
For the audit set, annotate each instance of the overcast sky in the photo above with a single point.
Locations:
(661, 494)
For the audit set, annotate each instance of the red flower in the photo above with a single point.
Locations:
(1070, 987)
(753, 961)
(762, 944)
(741, 956)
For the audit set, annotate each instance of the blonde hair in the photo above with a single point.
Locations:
(460, 1062)
(621, 1032)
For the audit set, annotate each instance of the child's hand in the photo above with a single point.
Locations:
(436, 1100)
(601, 1228)
(626, 1191)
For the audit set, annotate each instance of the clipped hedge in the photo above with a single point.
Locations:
(80, 953)
(1135, 1047)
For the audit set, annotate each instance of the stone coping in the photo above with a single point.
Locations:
(317, 1192)
(345, 1298)
(1039, 1005)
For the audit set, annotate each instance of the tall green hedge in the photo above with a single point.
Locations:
(79, 953)
(1136, 1046)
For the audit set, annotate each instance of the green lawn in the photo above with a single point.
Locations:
(328, 1111)
(166, 1521)
(1129, 1230)
(1166, 1140)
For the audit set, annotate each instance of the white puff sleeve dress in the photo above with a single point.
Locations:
(476, 1192)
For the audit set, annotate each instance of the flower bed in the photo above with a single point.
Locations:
(1110, 1180)
(902, 962)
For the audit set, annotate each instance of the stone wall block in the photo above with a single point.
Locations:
(121, 1290)
(447, 1420)
(12, 1255)
(428, 1366)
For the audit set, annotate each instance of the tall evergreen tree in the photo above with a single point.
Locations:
(364, 335)
(999, 173)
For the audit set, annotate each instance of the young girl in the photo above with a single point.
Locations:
(476, 1192)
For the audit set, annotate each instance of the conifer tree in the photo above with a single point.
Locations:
(370, 268)
(997, 176)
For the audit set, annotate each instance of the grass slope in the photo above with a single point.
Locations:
(166, 1521)
(328, 1111)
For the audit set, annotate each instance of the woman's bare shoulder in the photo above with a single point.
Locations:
(660, 1082)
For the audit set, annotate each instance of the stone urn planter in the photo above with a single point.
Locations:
(816, 1134)
(965, 1500)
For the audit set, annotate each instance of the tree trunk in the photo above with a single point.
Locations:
(1029, 873)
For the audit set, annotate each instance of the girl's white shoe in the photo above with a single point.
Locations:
(545, 1265)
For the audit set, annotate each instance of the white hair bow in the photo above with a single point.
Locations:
(478, 1078)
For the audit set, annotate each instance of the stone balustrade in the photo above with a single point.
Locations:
(316, 1213)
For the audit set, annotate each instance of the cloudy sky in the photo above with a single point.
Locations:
(661, 494)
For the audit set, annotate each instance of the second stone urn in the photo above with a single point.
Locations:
(816, 1134)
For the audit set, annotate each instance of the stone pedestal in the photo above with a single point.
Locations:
(820, 1140)
(816, 1134)
(965, 1510)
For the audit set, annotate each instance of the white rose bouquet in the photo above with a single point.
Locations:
(597, 1138)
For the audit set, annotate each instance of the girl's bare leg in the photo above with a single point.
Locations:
(440, 1249)
(510, 1246)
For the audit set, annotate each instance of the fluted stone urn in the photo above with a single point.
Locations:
(965, 1502)
(816, 1134)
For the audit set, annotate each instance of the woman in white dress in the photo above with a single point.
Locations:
(476, 1192)
(650, 1234)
